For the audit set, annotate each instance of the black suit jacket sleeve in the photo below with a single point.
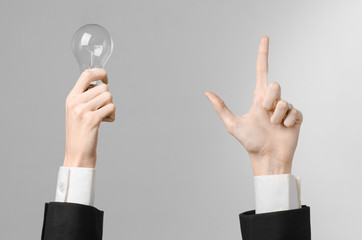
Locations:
(283, 225)
(70, 221)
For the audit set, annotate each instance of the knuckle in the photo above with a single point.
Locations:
(100, 72)
(103, 72)
(79, 111)
(91, 119)
(87, 73)
(294, 112)
(300, 116)
(221, 104)
(113, 107)
(70, 103)
(109, 95)
(97, 118)
(67, 102)
(230, 126)
(287, 123)
(282, 104)
(104, 87)
(274, 120)
(275, 85)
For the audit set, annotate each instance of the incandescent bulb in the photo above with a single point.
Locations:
(92, 46)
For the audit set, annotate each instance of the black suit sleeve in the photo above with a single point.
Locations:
(283, 225)
(70, 221)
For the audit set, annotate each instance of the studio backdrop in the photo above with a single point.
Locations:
(167, 169)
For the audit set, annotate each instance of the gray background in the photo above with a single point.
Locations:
(167, 169)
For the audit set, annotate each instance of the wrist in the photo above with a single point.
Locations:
(79, 162)
(267, 165)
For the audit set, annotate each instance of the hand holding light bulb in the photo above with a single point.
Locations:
(85, 110)
(89, 102)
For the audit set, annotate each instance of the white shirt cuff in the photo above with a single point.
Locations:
(276, 193)
(76, 185)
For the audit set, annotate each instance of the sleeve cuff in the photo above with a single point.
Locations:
(283, 225)
(76, 185)
(276, 193)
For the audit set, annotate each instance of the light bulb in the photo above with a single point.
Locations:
(92, 46)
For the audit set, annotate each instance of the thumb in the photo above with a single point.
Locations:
(222, 110)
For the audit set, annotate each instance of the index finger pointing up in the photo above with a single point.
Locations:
(262, 64)
(89, 76)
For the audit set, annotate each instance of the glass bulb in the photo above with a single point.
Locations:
(92, 46)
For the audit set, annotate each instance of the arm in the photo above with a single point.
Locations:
(73, 216)
(269, 132)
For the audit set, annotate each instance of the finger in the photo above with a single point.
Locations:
(294, 117)
(100, 101)
(262, 64)
(110, 118)
(222, 110)
(94, 92)
(272, 96)
(280, 112)
(107, 113)
(87, 77)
